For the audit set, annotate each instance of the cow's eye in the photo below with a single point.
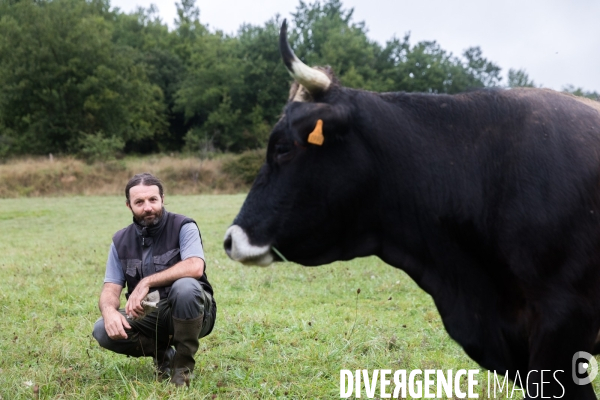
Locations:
(283, 151)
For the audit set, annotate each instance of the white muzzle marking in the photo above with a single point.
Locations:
(244, 252)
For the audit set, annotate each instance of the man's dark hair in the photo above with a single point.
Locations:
(146, 179)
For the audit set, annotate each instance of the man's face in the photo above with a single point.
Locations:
(146, 204)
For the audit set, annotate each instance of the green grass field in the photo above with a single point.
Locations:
(282, 332)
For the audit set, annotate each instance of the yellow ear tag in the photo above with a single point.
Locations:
(316, 136)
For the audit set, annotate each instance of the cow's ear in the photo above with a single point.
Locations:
(319, 123)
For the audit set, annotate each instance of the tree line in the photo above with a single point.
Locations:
(78, 77)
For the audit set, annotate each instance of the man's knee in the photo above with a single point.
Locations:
(186, 289)
(186, 298)
(99, 333)
(130, 346)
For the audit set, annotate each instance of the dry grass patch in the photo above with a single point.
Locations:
(64, 176)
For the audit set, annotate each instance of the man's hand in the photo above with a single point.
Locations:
(115, 324)
(134, 307)
(192, 267)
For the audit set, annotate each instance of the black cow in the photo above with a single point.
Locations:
(489, 200)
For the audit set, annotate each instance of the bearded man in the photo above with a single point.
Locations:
(170, 302)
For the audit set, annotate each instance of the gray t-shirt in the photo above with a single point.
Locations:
(190, 245)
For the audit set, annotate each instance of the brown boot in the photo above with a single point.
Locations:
(185, 339)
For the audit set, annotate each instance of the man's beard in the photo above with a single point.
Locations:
(141, 219)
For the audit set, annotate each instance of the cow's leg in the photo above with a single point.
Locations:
(553, 343)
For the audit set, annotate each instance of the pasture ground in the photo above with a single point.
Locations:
(282, 332)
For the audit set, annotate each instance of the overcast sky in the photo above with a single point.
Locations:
(557, 42)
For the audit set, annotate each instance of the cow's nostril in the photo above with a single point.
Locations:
(238, 248)
(227, 242)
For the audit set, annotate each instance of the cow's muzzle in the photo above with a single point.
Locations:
(238, 248)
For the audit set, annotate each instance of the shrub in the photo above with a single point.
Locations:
(5, 142)
(98, 147)
(246, 165)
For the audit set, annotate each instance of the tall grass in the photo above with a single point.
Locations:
(282, 332)
(60, 176)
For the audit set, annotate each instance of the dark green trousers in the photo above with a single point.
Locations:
(186, 300)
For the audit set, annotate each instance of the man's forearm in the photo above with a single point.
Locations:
(109, 299)
(108, 304)
(190, 268)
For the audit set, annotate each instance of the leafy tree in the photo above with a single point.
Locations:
(265, 79)
(234, 88)
(62, 77)
(481, 71)
(581, 92)
(152, 46)
(519, 78)
(80, 78)
(424, 67)
(99, 147)
(210, 83)
(326, 34)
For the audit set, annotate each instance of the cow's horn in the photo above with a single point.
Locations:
(312, 79)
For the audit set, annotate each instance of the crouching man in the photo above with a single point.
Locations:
(170, 302)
